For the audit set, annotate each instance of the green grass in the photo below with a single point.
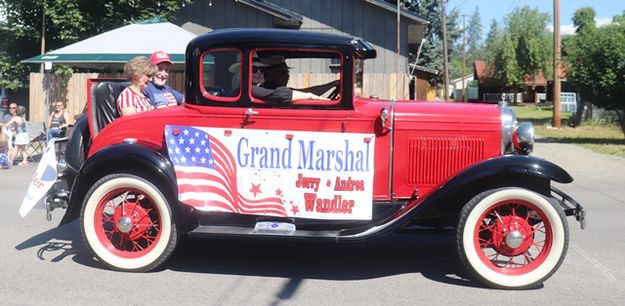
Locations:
(602, 138)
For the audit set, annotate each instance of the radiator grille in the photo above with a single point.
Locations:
(434, 159)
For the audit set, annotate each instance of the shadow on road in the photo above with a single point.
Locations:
(432, 255)
(66, 240)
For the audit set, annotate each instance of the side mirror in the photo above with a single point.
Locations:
(384, 118)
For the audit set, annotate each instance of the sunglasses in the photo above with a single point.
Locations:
(12, 107)
(256, 69)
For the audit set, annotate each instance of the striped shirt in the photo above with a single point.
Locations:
(129, 98)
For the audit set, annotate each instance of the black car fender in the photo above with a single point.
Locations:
(505, 171)
(120, 158)
(441, 207)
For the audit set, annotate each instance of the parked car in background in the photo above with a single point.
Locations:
(342, 168)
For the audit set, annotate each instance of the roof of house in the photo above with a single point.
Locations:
(414, 67)
(483, 74)
(296, 19)
(406, 13)
(275, 10)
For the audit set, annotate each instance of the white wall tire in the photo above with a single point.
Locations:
(512, 238)
(127, 223)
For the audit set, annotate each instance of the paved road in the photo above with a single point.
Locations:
(44, 265)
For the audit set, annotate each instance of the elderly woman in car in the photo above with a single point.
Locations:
(138, 70)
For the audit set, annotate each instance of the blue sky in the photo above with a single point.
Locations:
(497, 9)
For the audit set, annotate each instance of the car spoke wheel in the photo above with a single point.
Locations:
(512, 238)
(127, 223)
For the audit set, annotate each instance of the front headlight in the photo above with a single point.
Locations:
(523, 138)
(508, 123)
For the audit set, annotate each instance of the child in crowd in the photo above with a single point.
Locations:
(18, 123)
(4, 150)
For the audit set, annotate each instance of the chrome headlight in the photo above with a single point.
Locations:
(61, 166)
(508, 123)
(523, 138)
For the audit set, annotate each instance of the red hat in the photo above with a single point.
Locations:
(159, 57)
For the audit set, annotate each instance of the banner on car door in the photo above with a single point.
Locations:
(316, 175)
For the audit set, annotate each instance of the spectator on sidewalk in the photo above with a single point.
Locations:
(10, 113)
(4, 150)
(58, 121)
(9, 130)
(4, 106)
(18, 124)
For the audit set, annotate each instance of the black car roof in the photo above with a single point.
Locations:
(278, 37)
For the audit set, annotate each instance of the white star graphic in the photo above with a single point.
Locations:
(187, 150)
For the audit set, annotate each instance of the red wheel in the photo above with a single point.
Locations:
(127, 223)
(512, 237)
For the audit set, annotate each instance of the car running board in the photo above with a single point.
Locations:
(227, 230)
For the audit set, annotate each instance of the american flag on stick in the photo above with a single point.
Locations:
(207, 174)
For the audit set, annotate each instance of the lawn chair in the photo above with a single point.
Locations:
(37, 144)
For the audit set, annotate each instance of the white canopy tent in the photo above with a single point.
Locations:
(110, 50)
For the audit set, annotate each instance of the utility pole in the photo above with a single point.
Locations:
(464, 56)
(445, 64)
(556, 64)
(399, 96)
(43, 33)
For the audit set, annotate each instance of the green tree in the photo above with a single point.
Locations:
(474, 37)
(472, 47)
(493, 35)
(596, 58)
(432, 49)
(522, 49)
(584, 19)
(66, 21)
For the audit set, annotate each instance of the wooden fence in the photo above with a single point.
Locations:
(74, 93)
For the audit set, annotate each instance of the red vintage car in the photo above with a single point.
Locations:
(336, 166)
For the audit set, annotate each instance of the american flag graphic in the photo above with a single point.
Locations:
(207, 175)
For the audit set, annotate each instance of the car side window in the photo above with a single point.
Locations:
(301, 78)
(220, 73)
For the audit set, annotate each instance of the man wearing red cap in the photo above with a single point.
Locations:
(160, 94)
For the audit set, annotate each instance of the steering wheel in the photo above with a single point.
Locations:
(335, 92)
(214, 91)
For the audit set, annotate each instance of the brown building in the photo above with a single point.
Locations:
(490, 88)
(373, 20)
